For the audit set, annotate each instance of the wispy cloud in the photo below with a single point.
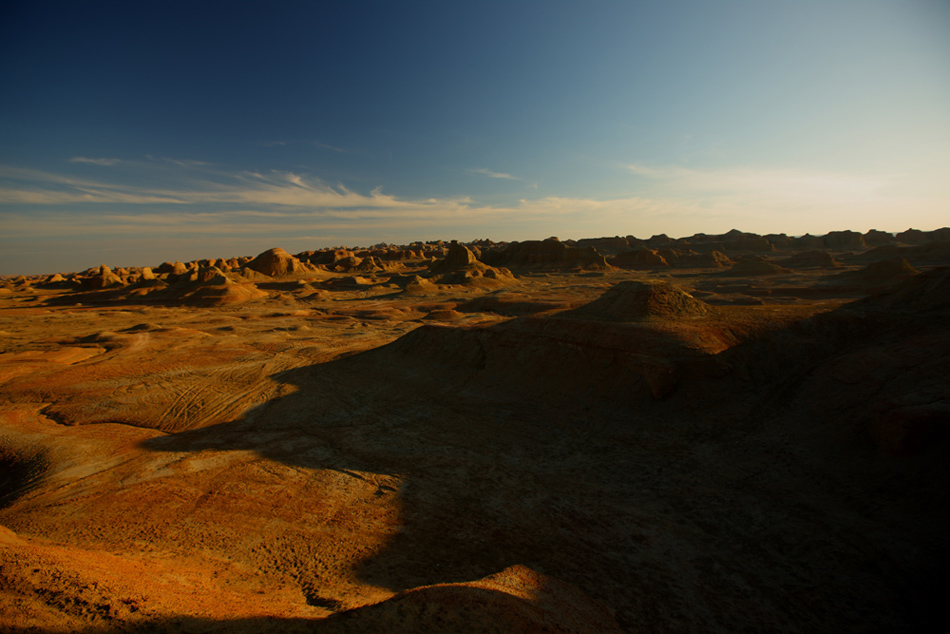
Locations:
(187, 163)
(312, 142)
(186, 198)
(492, 174)
(325, 146)
(95, 161)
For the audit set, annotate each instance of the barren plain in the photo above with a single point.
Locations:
(719, 433)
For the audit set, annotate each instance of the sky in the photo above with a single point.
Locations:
(132, 133)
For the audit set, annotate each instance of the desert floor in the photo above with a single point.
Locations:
(550, 452)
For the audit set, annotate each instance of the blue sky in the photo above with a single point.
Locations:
(137, 132)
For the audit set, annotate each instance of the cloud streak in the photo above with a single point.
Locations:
(179, 199)
(491, 174)
(95, 161)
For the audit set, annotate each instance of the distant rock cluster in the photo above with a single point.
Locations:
(420, 267)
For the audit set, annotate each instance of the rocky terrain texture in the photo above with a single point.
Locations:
(715, 433)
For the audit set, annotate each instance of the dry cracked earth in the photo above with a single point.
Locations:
(717, 433)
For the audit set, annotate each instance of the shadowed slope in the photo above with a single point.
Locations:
(630, 301)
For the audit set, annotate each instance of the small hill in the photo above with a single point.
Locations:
(927, 293)
(638, 259)
(546, 254)
(811, 260)
(517, 600)
(883, 272)
(103, 278)
(277, 263)
(755, 267)
(459, 257)
(636, 300)
(461, 267)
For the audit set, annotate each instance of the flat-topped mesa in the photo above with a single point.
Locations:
(638, 300)
(844, 240)
(610, 246)
(916, 236)
(278, 263)
(736, 241)
(876, 238)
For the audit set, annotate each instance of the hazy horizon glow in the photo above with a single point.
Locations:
(133, 133)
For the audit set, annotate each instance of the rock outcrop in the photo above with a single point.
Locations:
(755, 266)
(638, 259)
(460, 266)
(811, 260)
(278, 263)
(546, 254)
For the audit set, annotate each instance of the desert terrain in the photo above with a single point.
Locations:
(718, 433)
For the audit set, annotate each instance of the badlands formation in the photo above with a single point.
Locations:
(716, 433)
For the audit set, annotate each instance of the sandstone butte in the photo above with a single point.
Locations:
(714, 433)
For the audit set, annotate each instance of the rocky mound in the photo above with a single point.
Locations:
(250, 275)
(844, 240)
(278, 263)
(549, 254)
(927, 253)
(461, 267)
(927, 293)
(147, 279)
(636, 300)
(222, 294)
(415, 285)
(638, 259)
(517, 600)
(103, 278)
(709, 260)
(613, 245)
(371, 264)
(811, 260)
(208, 286)
(443, 315)
(167, 268)
(892, 270)
(753, 267)
(916, 236)
(877, 238)
(347, 263)
(459, 257)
